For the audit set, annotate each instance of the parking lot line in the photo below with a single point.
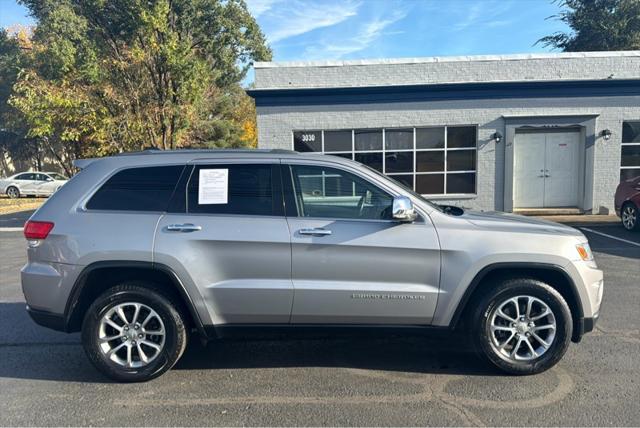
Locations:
(626, 241)
(11, 229)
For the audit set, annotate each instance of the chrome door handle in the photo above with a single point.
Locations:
(186, 227)
(315, 232)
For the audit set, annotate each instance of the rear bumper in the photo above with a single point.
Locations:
(48, 319)
(46, 286)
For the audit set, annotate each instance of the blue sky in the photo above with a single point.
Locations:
(300, 30)
(356, 29)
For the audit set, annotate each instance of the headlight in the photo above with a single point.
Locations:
(584, 250)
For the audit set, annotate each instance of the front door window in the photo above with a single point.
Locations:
(323, 192)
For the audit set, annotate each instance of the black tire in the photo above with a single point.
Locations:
(488, 305)
(13, 192)
(175, 339)
(629, 208)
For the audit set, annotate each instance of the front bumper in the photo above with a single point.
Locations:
(584, 325)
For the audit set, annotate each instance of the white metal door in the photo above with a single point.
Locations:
(528, 171)
(562, 155)
(546, 169)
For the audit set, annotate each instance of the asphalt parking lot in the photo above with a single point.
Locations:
(45, 378)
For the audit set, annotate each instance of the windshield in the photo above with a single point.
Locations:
(57, 176)
(405, 188)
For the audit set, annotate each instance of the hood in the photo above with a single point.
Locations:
(513, 222)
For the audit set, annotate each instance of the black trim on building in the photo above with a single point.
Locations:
(441, 92)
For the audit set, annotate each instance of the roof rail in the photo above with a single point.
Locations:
(151, 151)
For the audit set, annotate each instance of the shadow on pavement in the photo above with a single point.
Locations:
(16, 219)
(411, 354)
(28, 351)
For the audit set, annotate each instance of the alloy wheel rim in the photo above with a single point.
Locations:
(522, 329)
(12, 192)
(131, 335)
(629, 217)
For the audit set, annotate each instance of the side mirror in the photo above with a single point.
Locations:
(403, 210)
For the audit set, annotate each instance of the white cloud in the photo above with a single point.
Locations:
(485, 14)
(473, 13)
(259, 7)
(368, 33)
(283, 19)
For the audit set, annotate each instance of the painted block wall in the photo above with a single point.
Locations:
(276, 124)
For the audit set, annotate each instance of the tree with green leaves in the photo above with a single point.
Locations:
(105, 76)
(14, 146)
(597, 25)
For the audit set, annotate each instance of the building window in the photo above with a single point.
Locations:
(630, 159)
(431, 160)
(307, 141)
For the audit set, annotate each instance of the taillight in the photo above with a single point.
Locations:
(37, 229)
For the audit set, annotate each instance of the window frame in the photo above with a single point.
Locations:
(101, 183)
(292, 208)
(629, 144)
(445, 150)
(182, 206)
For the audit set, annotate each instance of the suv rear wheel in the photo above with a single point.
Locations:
(523, 326)
(133, 333)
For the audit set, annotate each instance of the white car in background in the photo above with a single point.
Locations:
(32, 183)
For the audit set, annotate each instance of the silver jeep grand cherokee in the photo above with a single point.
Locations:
(137, 251)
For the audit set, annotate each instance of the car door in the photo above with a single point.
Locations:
(26, 183)
(43, 184)
(229, 236)
(351, 263)
(49, 184)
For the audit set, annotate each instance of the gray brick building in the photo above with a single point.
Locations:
(511, 133)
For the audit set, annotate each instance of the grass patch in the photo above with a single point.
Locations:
(8, 206)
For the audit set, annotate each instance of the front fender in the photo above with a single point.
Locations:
(457, 286)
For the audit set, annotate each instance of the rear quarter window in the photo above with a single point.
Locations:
(137, 189)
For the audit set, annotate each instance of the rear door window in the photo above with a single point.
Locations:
(138, 189)
(246, 189)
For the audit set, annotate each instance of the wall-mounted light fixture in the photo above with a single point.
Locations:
(606, 134)
(497, 137)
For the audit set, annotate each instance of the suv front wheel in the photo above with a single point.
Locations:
(133, 333)
(523, 326)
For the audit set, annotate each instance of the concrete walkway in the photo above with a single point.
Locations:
(582, 219)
